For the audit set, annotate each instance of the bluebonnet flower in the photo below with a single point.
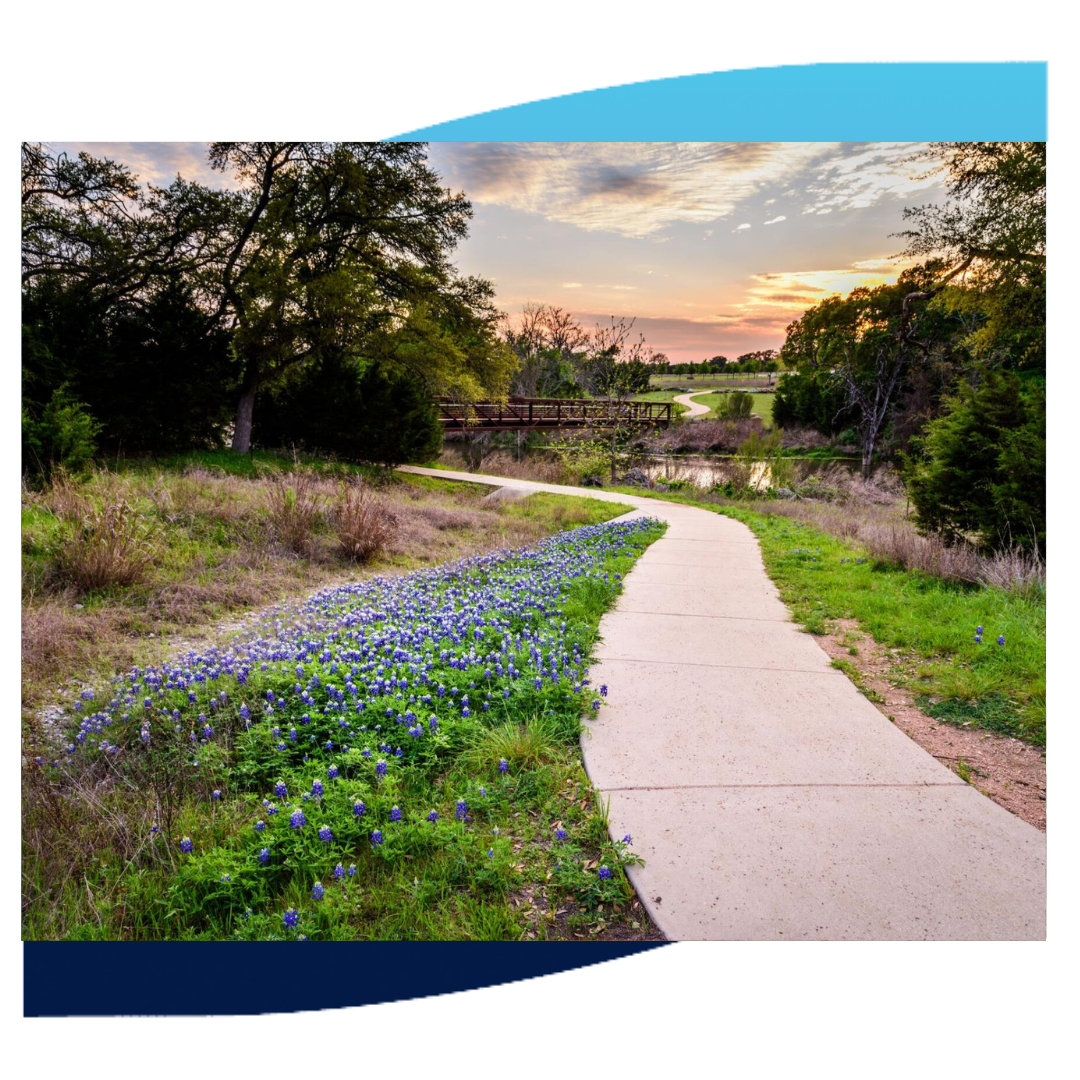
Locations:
(596, 705)
(352, 870)
(395, 814)
(626, 840)
(603, 691)
(317, 891)
(433, 816)
(491, 853)
(1001, 639)
(504, 765)
(271, 809)
(603, 873)
(380, 767)
(483, 791)
(280, 790)
(325, 835)
(339, 871)
(260, 825)
(376, 838)
(225, 879)
(264, 855)
(358, 808)
(332, 772)
(979, 630)
(560, 834)
(291, 917)
(462, 809)
(316, 788)
(301, 937)
(155, 829)
(215, 795)
(186, 845)
(297, 819)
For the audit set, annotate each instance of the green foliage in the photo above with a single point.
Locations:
(355, 410)
(60, 439)
(155, 372)
(735, 406)
(980, 469)
(807, 399)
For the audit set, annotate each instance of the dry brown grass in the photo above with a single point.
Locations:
(725, 437)
(365, 524)
(296, 509)
(870, 513)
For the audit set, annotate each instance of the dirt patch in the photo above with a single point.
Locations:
(1007, 770)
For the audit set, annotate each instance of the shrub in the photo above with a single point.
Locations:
(61, 438)
(980, 469)
(735, 406)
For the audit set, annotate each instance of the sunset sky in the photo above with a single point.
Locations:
(713, 248)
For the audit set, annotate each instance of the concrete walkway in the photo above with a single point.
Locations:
(767, 796)
(696, 408)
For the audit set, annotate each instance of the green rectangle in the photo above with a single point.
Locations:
(883, 980)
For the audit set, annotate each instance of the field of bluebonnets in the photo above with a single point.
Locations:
(396, 758)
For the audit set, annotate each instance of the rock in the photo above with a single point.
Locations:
(592, 481)
(78, 607)
(661, 487)
(505, 494)
(636, 478)
(785, 493)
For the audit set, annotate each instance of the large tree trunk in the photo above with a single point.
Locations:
(245, 409)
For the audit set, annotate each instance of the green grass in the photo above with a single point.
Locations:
(677, 409)
(760, 405)
(930, 623)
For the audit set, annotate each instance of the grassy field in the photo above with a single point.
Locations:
(487, 826)
(760, 405)
(930, 623)
(663, 395)
(703, 382)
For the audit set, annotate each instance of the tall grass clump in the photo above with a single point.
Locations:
(364, 524)
(98, 546)
(295, 508)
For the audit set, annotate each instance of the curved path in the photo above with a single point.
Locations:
(767, 796)
(696, 408)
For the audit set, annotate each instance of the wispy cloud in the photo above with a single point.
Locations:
(860, 176)
(775, 220)
(636, 189)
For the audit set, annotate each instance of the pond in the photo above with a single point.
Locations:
(705, 471)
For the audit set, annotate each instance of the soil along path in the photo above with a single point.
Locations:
(696, 408)
(767, 796)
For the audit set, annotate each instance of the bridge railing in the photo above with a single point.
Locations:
(517, 413)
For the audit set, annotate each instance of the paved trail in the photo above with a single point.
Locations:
(695, 407)
(768, 797)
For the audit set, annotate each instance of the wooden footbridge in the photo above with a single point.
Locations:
(521, 414)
